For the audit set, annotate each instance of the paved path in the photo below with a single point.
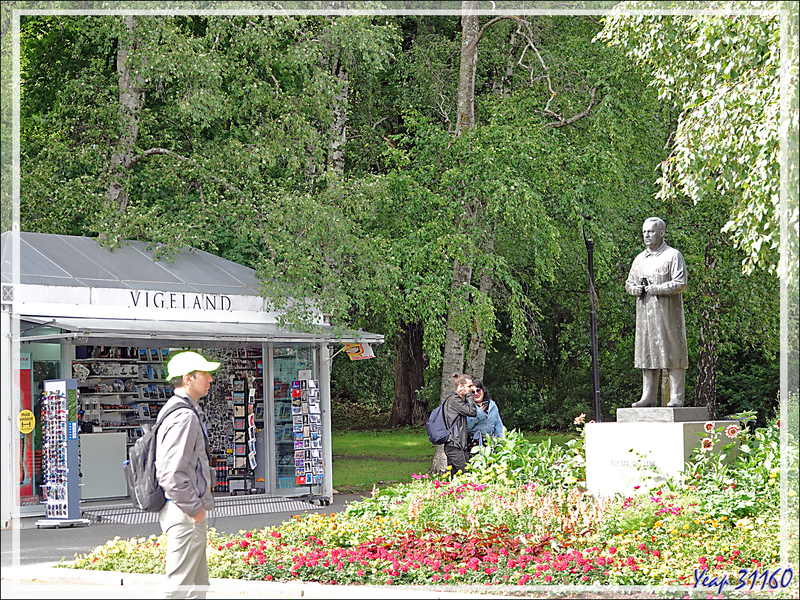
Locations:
(44, 581)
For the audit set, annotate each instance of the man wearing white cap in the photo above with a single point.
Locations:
(184, 473)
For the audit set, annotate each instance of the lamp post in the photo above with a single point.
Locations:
(593, 326)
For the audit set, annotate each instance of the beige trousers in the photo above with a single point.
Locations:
(187, 568)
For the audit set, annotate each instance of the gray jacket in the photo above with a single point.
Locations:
(182, 467)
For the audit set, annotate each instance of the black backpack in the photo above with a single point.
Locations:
(438, 431)
(140, 468)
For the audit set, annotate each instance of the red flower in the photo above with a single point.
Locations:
(612, 550)
(709, 426)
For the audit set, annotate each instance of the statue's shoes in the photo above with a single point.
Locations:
(675, 405)
(642, 404)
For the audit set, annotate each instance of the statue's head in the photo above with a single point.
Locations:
(653, 230)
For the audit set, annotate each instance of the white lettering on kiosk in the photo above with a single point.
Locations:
(176, 299)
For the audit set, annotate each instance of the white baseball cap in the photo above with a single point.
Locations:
(188, 362)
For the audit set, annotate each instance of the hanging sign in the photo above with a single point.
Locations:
(359, 351)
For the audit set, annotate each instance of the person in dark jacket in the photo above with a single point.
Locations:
(457, 407)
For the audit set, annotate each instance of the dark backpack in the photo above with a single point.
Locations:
(438, 431)
(140, 468)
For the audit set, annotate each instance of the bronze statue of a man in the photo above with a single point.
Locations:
(658, 279)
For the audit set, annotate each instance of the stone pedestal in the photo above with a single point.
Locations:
(657, 414)
(664, 438)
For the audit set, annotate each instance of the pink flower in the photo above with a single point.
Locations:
(732, 431)
(709, 426)
(612, 550)
(579, 419)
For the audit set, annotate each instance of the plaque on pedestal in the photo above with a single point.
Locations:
(615, 452)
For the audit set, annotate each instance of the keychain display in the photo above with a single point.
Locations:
(60, 454)
(54, 452)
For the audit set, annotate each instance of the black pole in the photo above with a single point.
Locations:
(593, 328)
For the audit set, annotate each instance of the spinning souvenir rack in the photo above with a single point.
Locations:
(244, 437)
(60, 454)
(307, 434)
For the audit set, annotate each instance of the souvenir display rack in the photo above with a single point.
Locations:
(231, 409)
(60, 454)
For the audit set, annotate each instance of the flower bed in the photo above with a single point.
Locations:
(470, 531)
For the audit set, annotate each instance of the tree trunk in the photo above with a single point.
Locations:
(453, 355)
(705, 390)
(339, 123)
(476, 363)
(408, 377)
(469, 63)
(131, 99)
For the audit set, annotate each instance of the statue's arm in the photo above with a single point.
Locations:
(631, 284)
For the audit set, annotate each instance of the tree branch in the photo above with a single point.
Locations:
(562, 122)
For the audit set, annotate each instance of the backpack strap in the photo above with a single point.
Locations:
(178, 406)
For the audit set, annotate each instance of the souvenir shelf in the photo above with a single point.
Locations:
(121, 388)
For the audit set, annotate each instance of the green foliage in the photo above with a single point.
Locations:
(514, 459)
(748, 381)
(741, 478)
(722, 71)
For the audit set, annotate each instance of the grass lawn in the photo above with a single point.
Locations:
(363, 459)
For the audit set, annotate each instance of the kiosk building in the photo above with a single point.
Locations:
(72, 309)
